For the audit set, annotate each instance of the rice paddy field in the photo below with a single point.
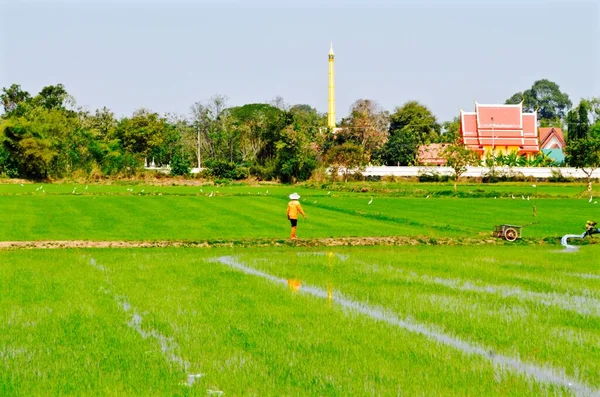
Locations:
(462, 319)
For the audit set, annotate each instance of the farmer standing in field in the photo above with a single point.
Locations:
(292, 213)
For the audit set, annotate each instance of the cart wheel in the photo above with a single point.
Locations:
(510, 234)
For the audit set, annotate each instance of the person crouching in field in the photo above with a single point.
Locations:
(293, 209)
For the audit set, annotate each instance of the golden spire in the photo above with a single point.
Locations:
(331, 92)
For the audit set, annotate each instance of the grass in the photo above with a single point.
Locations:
(112, 212)
(68, 322)
(139, 321)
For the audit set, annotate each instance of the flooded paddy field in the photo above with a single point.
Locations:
(405, 320)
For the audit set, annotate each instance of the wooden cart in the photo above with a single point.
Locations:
(507, 232)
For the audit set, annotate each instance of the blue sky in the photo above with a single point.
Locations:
(167, 55)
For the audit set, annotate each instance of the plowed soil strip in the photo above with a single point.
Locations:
(264, 242)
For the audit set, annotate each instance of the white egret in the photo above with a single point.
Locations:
(211, 194)
(591, 198)
(370, 201)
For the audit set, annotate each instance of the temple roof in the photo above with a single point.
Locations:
(431, 154)
(501, 117)
(551, 137)
(499, 126)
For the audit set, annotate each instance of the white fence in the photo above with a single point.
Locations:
(475, 172)
(536, 172)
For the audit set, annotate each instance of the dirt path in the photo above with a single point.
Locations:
(316, 242)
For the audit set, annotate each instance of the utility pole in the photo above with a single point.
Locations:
(493, 146)
(198, 147)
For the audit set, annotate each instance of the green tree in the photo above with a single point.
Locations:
(367, 126)
(13, 100)
(348, 156)
(584, 154)
(147, 135)
(411, 125)
(578, 124)
(545, 97)
(400, 149)
(450, 131)
(459, 157)
(296, 158)
(52, 97)
(180, 162)
(30, 153)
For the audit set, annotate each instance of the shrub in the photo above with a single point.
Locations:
(557, 176)
(225, 169)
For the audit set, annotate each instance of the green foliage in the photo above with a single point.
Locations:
(557, 176)
(578, 123)
(545, 97)
(348, 156)
(180, 164)
(459, 157)
(451, 131)
(584, 154)
(416, 119)
(411, 125)
(367, 126)
(296, 159)
(14, 100)
(432, 176)
(225, 169)
(400, 149)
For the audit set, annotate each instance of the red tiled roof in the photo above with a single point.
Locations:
(546, 134)
(431, 154)
(499, 117)
(499, 125)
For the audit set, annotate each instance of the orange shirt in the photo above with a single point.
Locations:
(293, 209)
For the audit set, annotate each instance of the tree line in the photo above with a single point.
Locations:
(47, 136)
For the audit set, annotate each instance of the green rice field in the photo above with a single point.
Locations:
(410, 320)
(137, 212)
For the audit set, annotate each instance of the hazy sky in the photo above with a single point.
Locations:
(167, 55)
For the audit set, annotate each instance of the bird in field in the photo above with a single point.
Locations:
(527, 198)
(522, 197)
(513, 197)
(73, 192)
(370, 201)
(22, 184)
(211, 194)
(591, 198)
(86, 186)
(427, 197)
(267, 192)
(328, 193)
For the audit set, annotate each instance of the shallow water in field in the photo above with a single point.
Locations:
(542, 374)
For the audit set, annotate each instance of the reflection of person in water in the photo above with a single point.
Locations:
(590, 228)
(293, 209)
